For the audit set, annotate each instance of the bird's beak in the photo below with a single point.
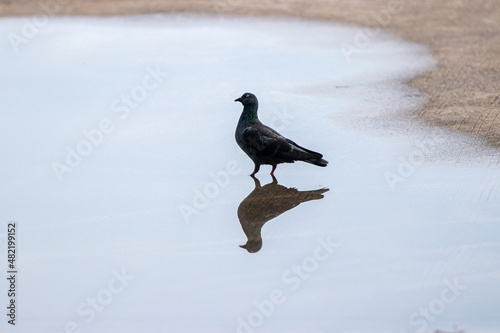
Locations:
(238, 99)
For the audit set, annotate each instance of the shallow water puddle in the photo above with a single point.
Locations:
(135, 212)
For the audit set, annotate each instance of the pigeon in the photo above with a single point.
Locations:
(266, 146)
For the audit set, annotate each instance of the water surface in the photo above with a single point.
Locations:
(133, 200)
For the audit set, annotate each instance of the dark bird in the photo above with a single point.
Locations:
(266, 146)
(265, 203)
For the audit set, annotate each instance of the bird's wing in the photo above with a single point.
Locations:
(313, 153)
(265, 142)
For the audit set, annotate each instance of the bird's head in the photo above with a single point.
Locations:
(253, 246)
(247, 99)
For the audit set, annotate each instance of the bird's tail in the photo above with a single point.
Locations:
(318, 161)
(314, 158)
(309, 156)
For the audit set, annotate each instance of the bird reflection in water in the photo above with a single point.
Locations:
(265, 203)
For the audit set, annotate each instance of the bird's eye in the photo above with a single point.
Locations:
(247, 96)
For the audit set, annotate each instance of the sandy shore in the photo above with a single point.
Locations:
(464, 36)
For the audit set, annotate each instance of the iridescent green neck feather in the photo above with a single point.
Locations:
(249, 114)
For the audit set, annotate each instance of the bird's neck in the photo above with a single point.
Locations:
(249, 114)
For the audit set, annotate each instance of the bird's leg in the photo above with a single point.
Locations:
(256, 181)
(274, 168)
(255, 170)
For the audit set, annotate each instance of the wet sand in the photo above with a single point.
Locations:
(463, 89)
